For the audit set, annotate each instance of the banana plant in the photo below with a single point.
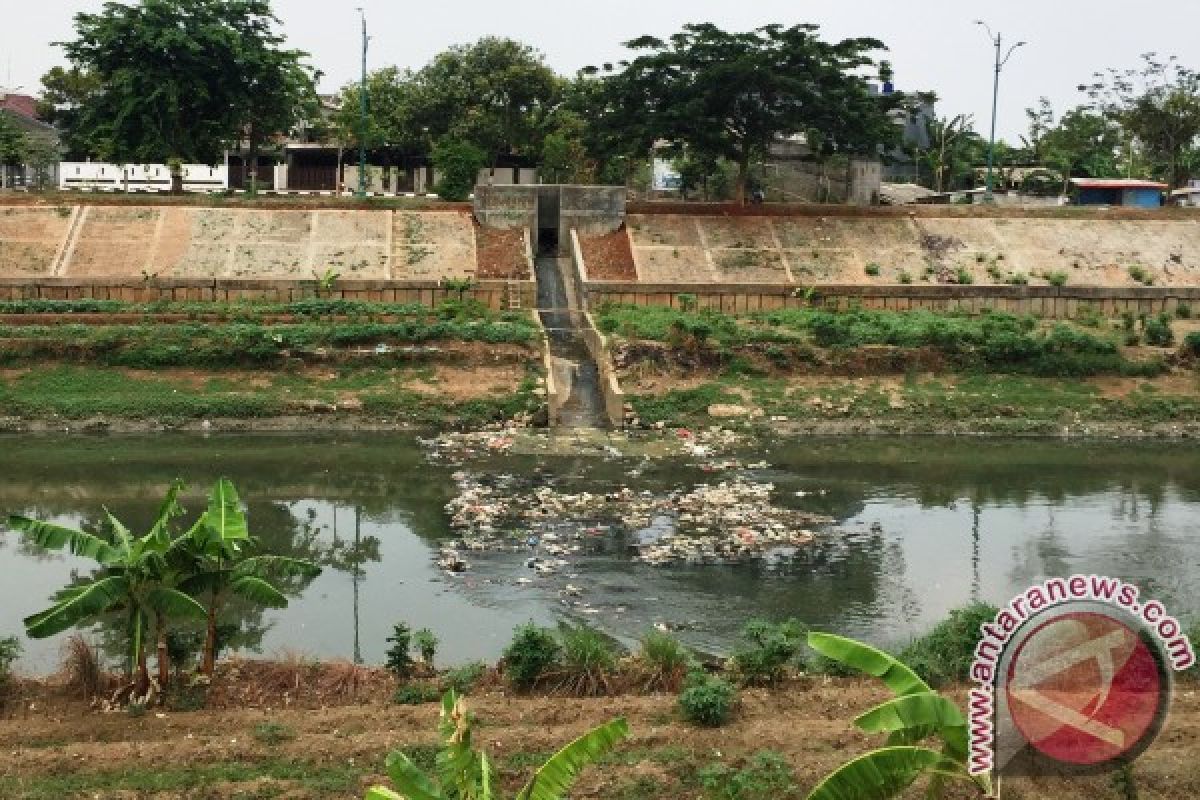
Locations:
(466, 774)
(917, 713)
(214, 555)
(135, 579)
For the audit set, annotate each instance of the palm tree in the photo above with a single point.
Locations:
(466, 774)
(214, 556)
(135, 579)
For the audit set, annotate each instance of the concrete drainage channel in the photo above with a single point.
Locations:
(574, 372)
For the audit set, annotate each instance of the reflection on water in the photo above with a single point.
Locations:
(923, 525)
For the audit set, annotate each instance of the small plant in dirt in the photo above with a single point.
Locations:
(273, 734)
(769, 650)
(904, 277)
(1018, 279)
(1183, 311)
(915, 715)
(10, 651)
(587, 663)
(1090, 317)
(764, 776)
(663, 662)
(463, 772)
(415, 694)
(707, 700)
(1056, 278)
(1158, 331)
(963, 276)
(944, 655)
(532, 653)
(872, 270)
(1139, 274)
(426, 643)
(464, 679)
(399, 660)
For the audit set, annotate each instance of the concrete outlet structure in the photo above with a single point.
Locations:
(551, 212)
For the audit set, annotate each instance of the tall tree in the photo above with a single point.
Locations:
(183, 79)
(14, 143)
(65, 91)
(732, 95)
(1158, 104)
(1083, 144)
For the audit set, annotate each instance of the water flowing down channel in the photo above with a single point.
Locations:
(575, 372)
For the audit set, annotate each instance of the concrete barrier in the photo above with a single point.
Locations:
(1052, 302)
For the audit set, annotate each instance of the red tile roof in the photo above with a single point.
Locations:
(21, 104)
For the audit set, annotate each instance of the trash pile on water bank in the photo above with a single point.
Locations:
(730, 522)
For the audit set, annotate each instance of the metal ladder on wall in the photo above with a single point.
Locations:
(514, 296)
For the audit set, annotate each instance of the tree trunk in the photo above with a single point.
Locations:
(742, 176)
(253, 187)
(210, 639)
(141, 680)
(164, 658)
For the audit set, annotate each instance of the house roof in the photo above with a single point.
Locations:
(1117, 183)
(21, 104)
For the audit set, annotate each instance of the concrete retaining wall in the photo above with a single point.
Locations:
(493, 294)
(1042, 301)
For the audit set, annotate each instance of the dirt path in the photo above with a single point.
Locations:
(63, 750)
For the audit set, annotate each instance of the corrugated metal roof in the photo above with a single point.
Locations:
(1116, 183)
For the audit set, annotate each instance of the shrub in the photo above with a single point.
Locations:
(664, 662)
(531, 654)
(1191, 344)
(904, 277)
(944, 655)
(872, 269)
(707, 700)
(415, 694)
(964, 276)
(10, 651)
(458, 163)
(81, 666)
(464, 679)
(1056, 278)
(766, 776)
(273, 733)
(1139, 274)
(426, 643)
(1021, 279)
(399, 662)
(1158, 331)
(588, 660)
(771, 648)
(1183, 311)
(687, 302)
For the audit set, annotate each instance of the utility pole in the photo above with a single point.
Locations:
(996, 40)
(362, 112)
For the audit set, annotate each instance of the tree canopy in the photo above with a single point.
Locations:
(182, 79)
(496, 93)
(731, 95)
(1158, 104)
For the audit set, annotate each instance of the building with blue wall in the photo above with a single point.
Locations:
(1129, 192)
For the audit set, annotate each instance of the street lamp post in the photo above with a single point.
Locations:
(996, 40)
(362, 113)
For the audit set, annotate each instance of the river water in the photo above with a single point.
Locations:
(922, 525)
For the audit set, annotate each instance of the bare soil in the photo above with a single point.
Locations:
(500, 254)
(808, 721)
(608, 257)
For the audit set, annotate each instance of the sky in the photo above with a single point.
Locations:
(933, 43)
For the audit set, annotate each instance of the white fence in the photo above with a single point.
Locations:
(97, 176)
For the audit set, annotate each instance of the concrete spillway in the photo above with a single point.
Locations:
(575, 372)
